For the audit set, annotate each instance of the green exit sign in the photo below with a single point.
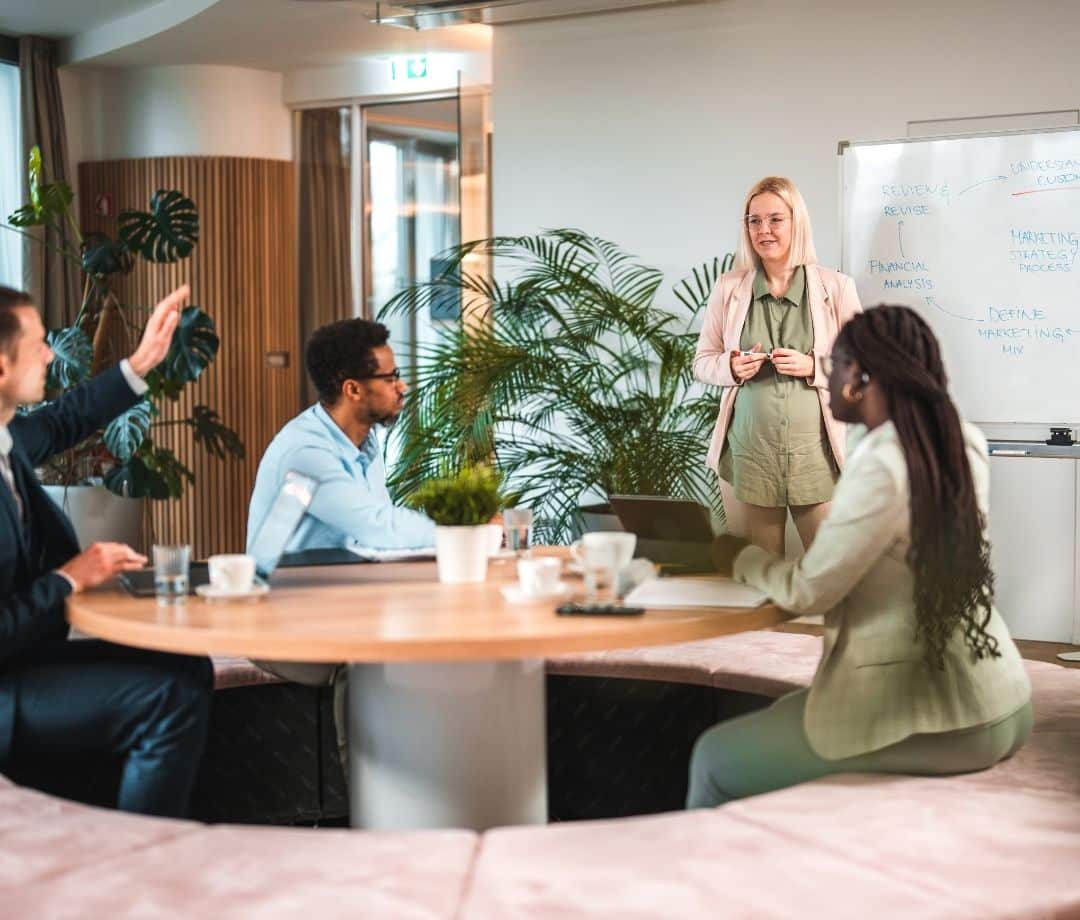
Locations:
(412, 68)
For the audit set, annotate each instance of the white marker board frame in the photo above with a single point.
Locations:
(960, 225)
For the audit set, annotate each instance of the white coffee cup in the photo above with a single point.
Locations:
(605, 543)
(232, 572)
(539, 575)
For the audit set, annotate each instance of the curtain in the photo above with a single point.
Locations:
(325, 224)
(52, 280)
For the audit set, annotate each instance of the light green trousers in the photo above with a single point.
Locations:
(768, 750)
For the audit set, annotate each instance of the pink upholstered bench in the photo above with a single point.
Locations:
(845, 847)
(59, 859)
(762, 662)
(1003, 843)
(231, 672)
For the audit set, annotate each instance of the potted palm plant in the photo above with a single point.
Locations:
(106, 477)
(462, 505)
(574, 382)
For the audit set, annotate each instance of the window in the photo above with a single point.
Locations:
(11, 172)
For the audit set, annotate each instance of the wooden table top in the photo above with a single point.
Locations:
(390, 612)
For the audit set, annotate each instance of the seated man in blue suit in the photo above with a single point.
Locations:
(73, 698)
(336, 442)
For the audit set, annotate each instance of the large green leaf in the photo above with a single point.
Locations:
(194, 346)
(126, 433)
(49, 201)
(72, 355)
(155, 472)
(166, 233)
(217, 438)
(102, 256)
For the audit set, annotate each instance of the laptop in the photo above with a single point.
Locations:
(675, 533)
(287, 510)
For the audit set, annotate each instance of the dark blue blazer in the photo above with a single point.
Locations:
(31, 593)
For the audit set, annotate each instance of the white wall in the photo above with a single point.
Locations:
(197, 110)
(648, 127)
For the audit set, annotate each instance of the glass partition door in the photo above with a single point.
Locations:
(413, 209)
(412, 213)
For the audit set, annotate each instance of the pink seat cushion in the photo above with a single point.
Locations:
(1050, 762)
(701, 864)
(762, 661)
(765, 662)
(236, 872)
(230, 672)
(41, 836)
(995, 852)
(1055, 691)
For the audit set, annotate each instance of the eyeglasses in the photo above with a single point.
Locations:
(773, 220)
(395, 374)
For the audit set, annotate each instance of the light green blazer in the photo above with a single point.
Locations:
(873, 686)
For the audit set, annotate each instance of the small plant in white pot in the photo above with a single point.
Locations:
(462, 506)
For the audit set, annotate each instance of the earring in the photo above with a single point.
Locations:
(850, 394)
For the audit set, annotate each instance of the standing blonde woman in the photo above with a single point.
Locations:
(768, 324)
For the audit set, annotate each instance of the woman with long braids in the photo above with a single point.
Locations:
(918, 673)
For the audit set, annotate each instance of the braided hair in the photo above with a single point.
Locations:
(949, 554)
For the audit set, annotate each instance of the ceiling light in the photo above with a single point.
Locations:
(433, 14)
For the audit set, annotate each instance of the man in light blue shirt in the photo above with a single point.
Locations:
(335, 443)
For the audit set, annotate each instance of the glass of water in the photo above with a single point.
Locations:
(172, 564)
(599, 563)
(517, 522)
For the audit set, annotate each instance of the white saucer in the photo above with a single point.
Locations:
(515, 595)
(210, 593)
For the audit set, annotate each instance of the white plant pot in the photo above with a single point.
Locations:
(461, 553)
(98, 515)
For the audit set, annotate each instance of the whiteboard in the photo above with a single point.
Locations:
(981, 235)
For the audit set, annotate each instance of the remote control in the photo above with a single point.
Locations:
(598, 610)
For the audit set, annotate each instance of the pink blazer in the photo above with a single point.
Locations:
(833, 301)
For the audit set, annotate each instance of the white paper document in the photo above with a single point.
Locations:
(391, 555)
(712, 591)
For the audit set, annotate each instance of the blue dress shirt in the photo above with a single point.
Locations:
(352, 506)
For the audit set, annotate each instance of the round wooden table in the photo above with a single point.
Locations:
(446, 682)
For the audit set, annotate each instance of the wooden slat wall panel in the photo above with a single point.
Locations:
(243, 273)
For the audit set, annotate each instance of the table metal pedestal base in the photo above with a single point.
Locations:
(437, 744)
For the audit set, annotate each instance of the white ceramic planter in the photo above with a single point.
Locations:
(100, 516)
(461, 553)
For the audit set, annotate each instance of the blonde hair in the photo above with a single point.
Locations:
(802, 250)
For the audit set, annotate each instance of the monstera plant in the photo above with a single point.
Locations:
(125, 456)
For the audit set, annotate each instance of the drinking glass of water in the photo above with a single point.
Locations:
(172, 564)
(517, 522)
(599, 563)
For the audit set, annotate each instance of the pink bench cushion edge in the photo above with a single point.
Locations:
(761, 661)
(240, 872)
(231, 672)
(1007, 852)
(701, 864)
